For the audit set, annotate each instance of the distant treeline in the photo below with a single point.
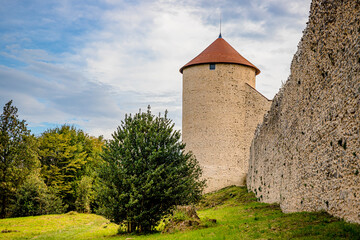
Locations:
(51, 173)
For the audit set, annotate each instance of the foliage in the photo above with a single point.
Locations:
(235, 220)
(34, 198)
(67, 154)
(84, 194)
(146, 172)
(18, 155)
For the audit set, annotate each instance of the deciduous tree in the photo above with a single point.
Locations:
(33, 198)
(84, 194)
(67, 154)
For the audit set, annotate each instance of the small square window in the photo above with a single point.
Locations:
(212, 66)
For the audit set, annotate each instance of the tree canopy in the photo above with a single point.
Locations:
(39, 174)
(33, 197)
(18, 155)
(146, 172)
(66, 155)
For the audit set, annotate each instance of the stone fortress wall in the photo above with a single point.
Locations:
(221, 110)
(306, 153)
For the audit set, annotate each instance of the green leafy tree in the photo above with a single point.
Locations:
(67, 154)
(18, 155)
(84, 194)
(34, 198)
(146, 172)
(93, 147)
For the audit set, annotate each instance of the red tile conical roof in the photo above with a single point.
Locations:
(220, 51)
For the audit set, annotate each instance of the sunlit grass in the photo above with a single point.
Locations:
(65, 226)
(238, 216)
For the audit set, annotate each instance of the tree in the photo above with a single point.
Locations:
(18, 155)
(67, 154)
(84, 194)
(146, 172)
(34, 198)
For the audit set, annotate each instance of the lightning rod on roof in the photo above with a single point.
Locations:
(220, 26)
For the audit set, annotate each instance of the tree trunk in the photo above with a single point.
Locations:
(3, 206)
(131, 227)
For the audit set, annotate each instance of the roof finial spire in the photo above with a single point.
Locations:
(220, 26)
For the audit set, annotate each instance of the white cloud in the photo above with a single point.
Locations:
(131, 56)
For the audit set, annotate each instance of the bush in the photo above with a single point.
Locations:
(34, 198)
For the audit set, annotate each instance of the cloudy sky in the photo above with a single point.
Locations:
(87, 63)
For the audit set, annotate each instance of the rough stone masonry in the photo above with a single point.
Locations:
(221, 109)
(306, 153)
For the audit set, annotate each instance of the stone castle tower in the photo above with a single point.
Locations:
(221, 109)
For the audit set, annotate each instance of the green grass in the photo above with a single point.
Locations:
(65, 226)
(238, 216)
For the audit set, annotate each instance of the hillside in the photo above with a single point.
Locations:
(238, 215)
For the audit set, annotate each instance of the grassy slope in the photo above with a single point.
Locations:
(237, 213)
(65, 226)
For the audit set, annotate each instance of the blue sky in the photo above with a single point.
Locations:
(87, 63)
